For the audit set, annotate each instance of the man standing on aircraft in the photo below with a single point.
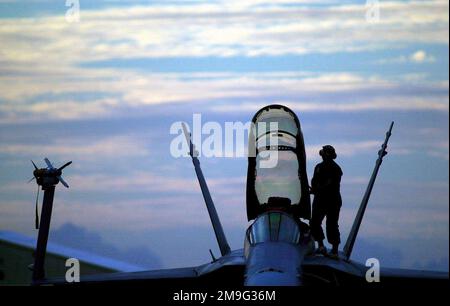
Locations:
(325, 185)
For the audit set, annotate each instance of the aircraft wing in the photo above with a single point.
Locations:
(227, 270)
(407, 276)
(178, 276)
(324, 270)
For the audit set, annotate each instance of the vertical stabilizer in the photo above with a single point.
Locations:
(217, 226)
(362, 208)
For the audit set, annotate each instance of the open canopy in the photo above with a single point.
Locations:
(276, 178)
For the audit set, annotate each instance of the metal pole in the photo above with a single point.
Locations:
(44, 229)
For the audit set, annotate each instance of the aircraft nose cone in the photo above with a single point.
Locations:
(272, 278)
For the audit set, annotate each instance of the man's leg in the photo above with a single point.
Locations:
(318, 214)
(333, 234)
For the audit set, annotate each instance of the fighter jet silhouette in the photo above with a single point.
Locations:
(278, 248)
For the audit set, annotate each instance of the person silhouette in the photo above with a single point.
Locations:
(325, 185)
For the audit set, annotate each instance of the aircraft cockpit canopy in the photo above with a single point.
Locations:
(276, 177)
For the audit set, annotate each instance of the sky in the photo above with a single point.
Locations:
(104, 91)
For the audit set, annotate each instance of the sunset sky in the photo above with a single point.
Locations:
(104, 91)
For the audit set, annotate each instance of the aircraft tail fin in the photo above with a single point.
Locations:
(362, 208)
(217, 226)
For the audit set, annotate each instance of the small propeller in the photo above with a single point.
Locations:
(62, 181)
(65, 165)
(58, 171)
(35, 167)
(49, 164)
(45, 177)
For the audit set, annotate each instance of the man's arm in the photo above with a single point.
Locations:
(314, 187)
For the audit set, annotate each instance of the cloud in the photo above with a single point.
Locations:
(436, 149)
(77, 237)
(392, 256)
(134, 181)
(346, 149)
(224, 29)
(83, 148)
(421, 57)
(388, 256)
(219, 29)
(418, 57)
(43, 56)
(135, 93)
(371, 103)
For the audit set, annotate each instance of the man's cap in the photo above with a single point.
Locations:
(328, 151)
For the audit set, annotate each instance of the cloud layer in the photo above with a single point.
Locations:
(103, 92)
